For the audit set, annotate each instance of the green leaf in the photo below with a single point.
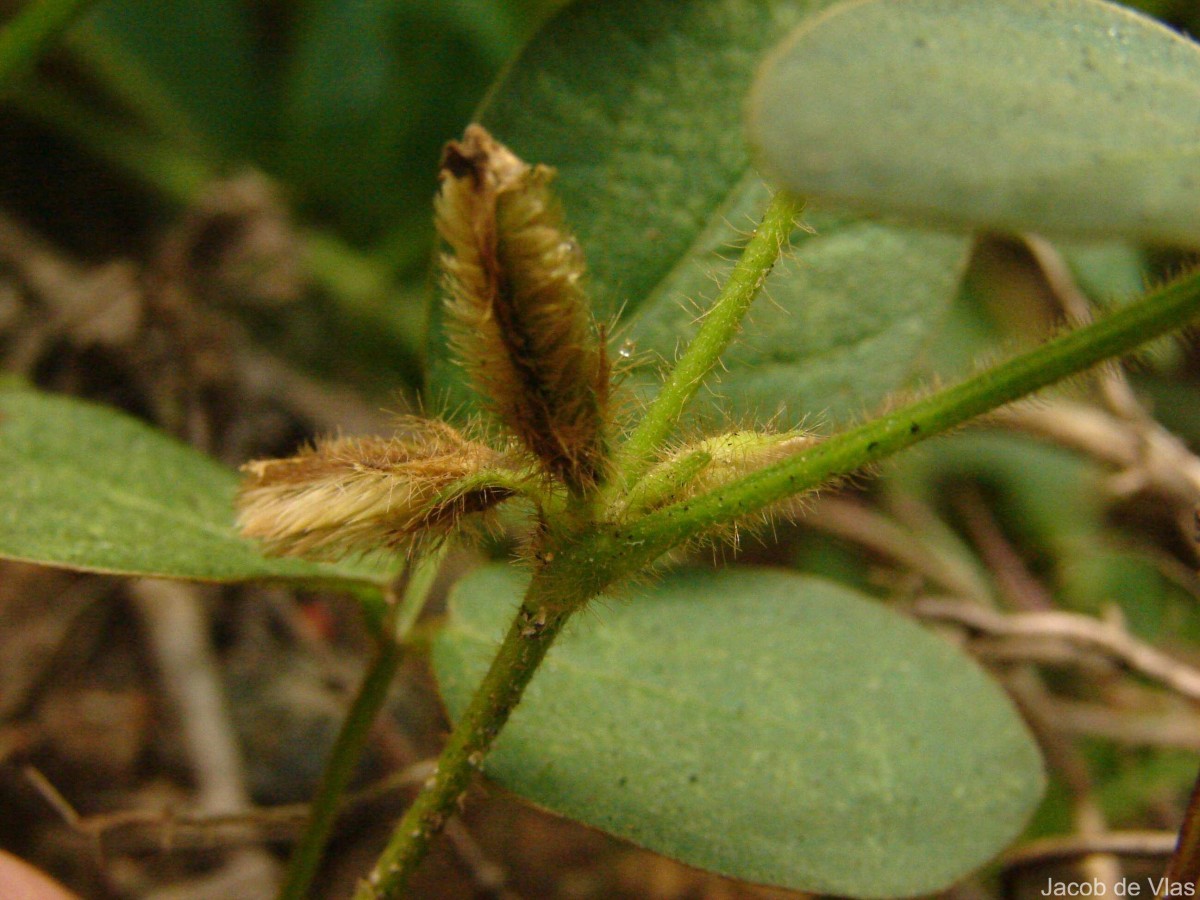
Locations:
(1071, 117)
(768, 726)
(635, 103)
(1108, 273)
(1049, 496)
(86, 487)
(845, 320)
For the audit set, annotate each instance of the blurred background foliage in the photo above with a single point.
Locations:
(344, 106)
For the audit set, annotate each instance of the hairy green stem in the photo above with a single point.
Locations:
(529, 637)
(614, 551)
(593, 559)
(576, 573)
(656, 487)
(339, 768)
(408, 595)
(1158, 313)
(720, 327)
(27, 35)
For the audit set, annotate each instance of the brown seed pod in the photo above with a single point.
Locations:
(358, 495)
(518, 318)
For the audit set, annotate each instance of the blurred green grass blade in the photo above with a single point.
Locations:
(197, 57)
(1051, 504)
(86, 487)
(176, 175)
(771, 727)
(123, 76)
(31, 31)
(1067, 117)
(373, 88)
(634, 102)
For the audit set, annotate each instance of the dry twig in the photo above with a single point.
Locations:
(1155, 844)
(160, 831)
(1105, 638)
(177, 630)
(881, 534)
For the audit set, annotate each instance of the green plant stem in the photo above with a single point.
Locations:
(524, 646)
(657, 487)
(591, 560)
(614, 551)
(27, 35)
(415, 581)
(1158, 313)
(721, 325)
(413, 585)
(339, 768)
(568, 583)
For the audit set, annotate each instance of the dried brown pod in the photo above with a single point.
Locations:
(518, 318)
(358, 495)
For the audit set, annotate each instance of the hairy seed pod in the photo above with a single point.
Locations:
(712, 462)
(346, 496)
(518, 318)
(706, 465)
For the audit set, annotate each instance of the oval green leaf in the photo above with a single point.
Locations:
(764, 725)
(85, 487)
(1069, 117)
(635, 103)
